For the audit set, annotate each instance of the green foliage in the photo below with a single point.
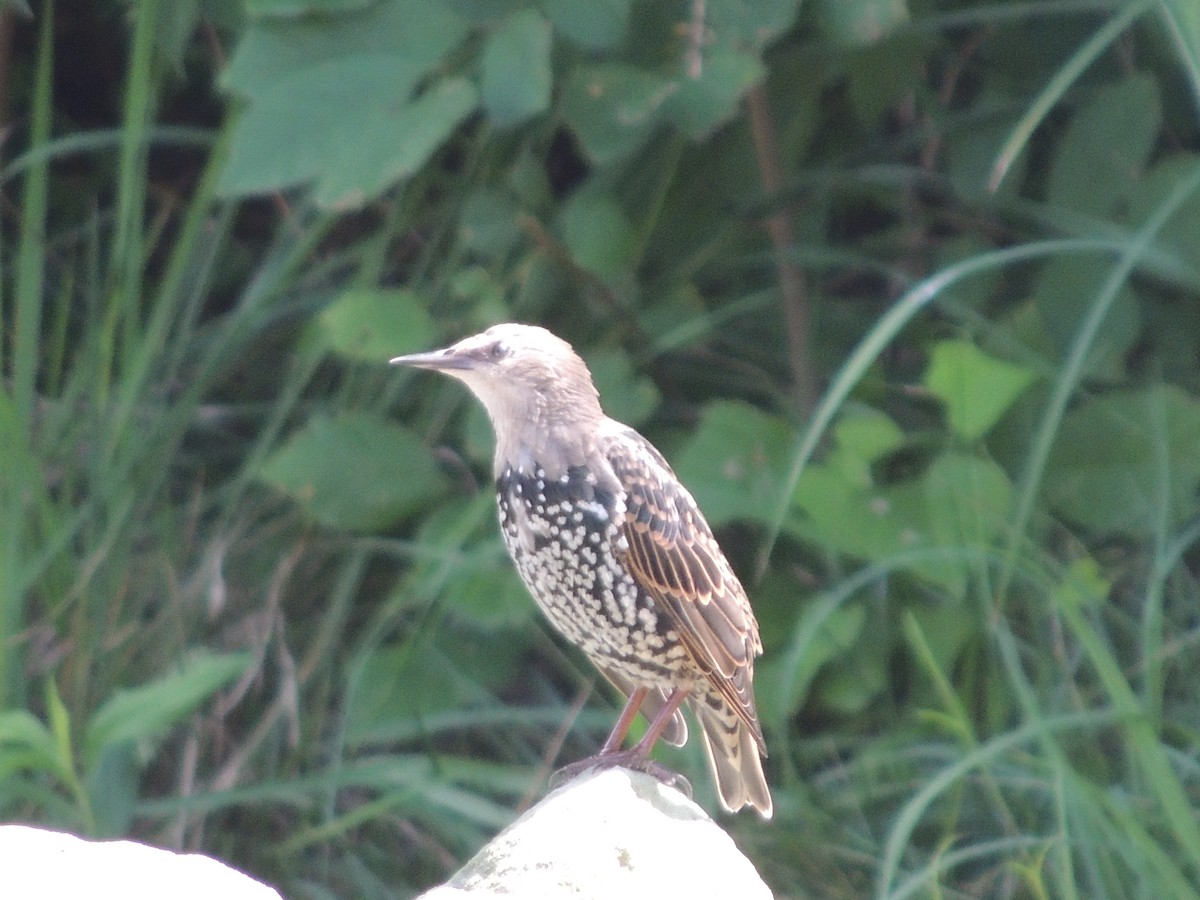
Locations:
(252, 595)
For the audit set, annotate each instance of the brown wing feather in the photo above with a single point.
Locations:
(673, 555)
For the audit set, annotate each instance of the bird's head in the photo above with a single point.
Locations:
(537, 391)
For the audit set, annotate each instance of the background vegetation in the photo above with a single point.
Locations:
(909, 292)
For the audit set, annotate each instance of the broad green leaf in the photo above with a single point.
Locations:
(701, 104)
(595, 24)
(1106, 146)
(1127, 462)
(823, 632)
(749, 23)
(356, 472)
(516, 69)
(375, 325)
(1180, 236)
(1064, 291)
(285, 8)
(626, 397)
(25, 744)
(860, 22)
(488, 224)
(613, 108)
(397, 142)
(413, 34)
(144, 712)
(400, 685)
(599, 236)
(735, 462)
(976, 389)
(293, 124)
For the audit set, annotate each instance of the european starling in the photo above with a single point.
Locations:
(616, 553)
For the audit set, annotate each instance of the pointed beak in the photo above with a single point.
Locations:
(447, 360)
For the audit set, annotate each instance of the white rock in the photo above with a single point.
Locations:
(608, 834)
(48, 865)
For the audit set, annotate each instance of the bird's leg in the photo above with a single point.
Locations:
(638, 757)
(643, 747)
(624, 721)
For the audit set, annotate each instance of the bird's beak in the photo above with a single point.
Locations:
(449, 359)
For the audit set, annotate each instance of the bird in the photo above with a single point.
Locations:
(617, 555)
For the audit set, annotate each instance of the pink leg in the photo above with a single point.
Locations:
(646, 744)
(624, 721)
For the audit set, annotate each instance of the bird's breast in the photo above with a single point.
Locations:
(564, 535)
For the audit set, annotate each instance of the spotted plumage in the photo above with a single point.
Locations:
(616, 553)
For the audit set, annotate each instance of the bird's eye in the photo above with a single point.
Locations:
(499, 350)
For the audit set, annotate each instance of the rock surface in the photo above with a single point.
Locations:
(609, 833)
(36, 864)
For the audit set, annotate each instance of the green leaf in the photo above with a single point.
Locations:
(375, 325)
(25, 744)
(976, 389)
(599, 236)
(613, 108)
(516, 69)
(396, 142)
(1106, 146)
(860, 22)
(488, 224)
(403, 684)
(286, 8)
(413, 34)
(735, 462)
(627, 397)
(1127, 462)
(594, 24)
(823, 632)
(1064, 291)
(356, 472)
(332, 96)
(749, 23)
(146, 711)
(701, 104)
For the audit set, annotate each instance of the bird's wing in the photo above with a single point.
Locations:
(674, 557)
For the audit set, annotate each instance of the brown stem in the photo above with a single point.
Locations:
(797, 315)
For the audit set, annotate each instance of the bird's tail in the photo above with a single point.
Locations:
(733, 753)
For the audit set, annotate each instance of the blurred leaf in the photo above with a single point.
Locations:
(356, 471)
(1126, 461)
(626, 397)
(112, 788)
(1065, 289)
(824, 630)
(413, 34)
(855, 22)
(735, 462)
(516, 69)
(612, 108)
(144, 712)
(303, 7)
(459, 668)
(331, 97)
(1106, 146)
(488, 224)
(977, 389)
(599, 236)
(396, 143)
(701, 104)
(595, 24)
(1181, 234)
(25, 744)
(375, 325)
(751, 23)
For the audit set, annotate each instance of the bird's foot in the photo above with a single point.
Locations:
(626, 759)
